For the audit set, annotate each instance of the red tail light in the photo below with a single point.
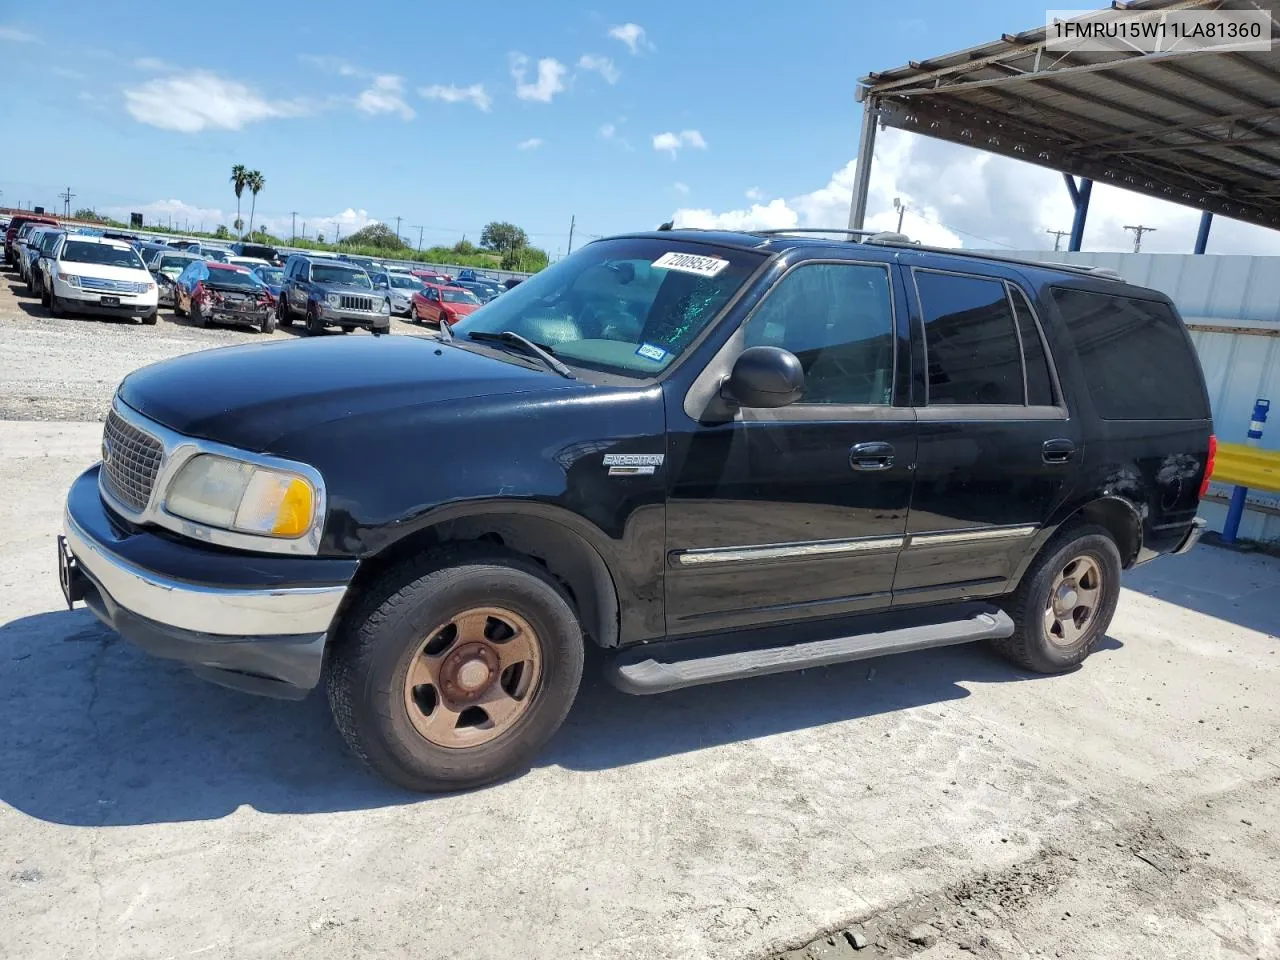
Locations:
(1209, 464)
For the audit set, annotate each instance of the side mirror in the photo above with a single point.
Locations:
(764, 377)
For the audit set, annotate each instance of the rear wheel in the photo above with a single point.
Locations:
(455, 669)
(1065, 602)
(269, 323)
(348, 327)
(283, 313)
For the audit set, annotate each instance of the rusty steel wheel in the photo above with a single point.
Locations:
(473, 677)
(1073, 601)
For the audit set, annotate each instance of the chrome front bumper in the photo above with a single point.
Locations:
(211, 610)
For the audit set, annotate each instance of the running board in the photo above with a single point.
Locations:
(672, 664)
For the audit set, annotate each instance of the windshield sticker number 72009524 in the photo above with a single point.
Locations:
(691, 263)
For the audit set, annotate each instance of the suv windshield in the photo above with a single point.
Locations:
(102, 254)
(241, 279)
(327, 273)
(630, 306)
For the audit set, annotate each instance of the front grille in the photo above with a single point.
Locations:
(130, 460)
(112, 286)
(358, 303)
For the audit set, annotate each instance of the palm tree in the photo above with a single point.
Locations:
(239, 180)
(255, 181)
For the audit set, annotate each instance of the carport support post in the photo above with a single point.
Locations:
(1235, 510)
(1202, 235)
(862, 172)
(1080, 200)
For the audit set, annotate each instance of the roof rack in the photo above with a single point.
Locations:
(1102, 272)
(783, 232)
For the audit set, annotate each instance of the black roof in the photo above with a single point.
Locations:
(776, 243)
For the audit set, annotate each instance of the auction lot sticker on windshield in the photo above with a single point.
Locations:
(691, 263)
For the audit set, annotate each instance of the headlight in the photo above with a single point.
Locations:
(333, 300)
(234, 495)
(70, 279)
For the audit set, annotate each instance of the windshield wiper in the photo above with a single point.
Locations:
(511, 338)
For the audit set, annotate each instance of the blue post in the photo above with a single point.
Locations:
(1080, 197)
(1202, 236)
(1236, 509)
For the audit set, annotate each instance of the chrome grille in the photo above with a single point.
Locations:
(112, 286)
(358, 303)
(130, 460)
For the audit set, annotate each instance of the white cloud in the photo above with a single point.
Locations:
(14, 35)
(152, 64)
(199, 100)
(680, 187)
(610, 133)
(601, 65)
(66, 73)
(533, 143)
(672, 142)
(549, 82)
(474, 94)
(332, 65)
(633, 35)
(331, 225)
(754, 194)
(386, 95)
(964, 197)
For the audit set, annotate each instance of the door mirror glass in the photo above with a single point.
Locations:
(764, 377)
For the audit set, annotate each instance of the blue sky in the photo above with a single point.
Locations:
(620, 114)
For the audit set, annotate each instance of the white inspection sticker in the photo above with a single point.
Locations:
(691, 263)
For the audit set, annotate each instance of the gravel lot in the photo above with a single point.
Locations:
(68, 369)
(942, 805)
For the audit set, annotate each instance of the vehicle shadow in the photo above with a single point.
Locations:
(1236, 587)
(99, 733)
(38, 311)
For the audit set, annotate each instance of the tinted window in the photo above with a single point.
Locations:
(241, 279)
(328, 273)
(970, 341)
(1039, 382)
(837, 319)
(1137, 361)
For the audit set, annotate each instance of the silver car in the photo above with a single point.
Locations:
(398, 287)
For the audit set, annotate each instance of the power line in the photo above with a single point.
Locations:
(66, 196)
(1138, 231)
(1057, 237)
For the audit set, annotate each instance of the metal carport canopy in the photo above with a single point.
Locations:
(1196, 128)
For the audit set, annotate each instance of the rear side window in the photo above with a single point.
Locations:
(1137, 361)
(971, 343)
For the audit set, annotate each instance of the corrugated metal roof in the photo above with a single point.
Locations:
(1197, 128)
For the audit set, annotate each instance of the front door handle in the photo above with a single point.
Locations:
(871, 456)
(1059, 450)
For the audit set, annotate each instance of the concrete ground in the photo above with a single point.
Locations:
(939, 804)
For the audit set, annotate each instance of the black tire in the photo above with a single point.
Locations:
(150, 318)
(198, 316)
(1031, 645)
(315, 322)
(269, 323)
(177, 306)
(55, 306)
(348, 327)
(379, 637)
(283, 313)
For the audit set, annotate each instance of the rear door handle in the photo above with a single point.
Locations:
(871, 456)
(1059, 450)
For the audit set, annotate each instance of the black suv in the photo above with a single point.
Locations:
(325, 292)
(715, 455)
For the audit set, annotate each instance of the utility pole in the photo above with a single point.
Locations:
(1057, 237)
(901, 208)
(419, 226)
(66, 196)
(304, 229)
(1138, 231)
(398, 219)
(572, 220)
(293, 227)
(337, 239)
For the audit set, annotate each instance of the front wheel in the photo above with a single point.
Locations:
(1065, 602)
(198, 316)
(455, 669)
(55, 305)
(315, 323)
(269, 323)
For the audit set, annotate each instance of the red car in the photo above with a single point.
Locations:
(14, 224)
(430, 276)
(435, 301)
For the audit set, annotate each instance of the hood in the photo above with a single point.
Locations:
(345, 288)
(461, 309)
(250, 396)
(100, 272)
